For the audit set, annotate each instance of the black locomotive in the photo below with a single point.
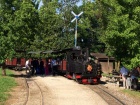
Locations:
(76, 64)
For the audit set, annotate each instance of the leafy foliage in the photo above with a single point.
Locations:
(106, 25)
(121, 33)
(89, 24)
(6, 34)
(25, 24)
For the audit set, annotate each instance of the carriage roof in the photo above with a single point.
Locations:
(40, 52)
(66, 50)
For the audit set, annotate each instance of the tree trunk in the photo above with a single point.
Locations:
(3, 70)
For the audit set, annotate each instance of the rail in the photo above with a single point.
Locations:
(106, 95)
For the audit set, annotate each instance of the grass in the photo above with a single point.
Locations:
(6, 84)
(133, 93)
(106, 74)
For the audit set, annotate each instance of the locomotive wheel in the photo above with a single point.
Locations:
(68, 75)
(98, 80)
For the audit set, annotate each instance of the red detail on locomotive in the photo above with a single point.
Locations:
(78, 76)
(69, 76)
(85, 81)
(95, 81)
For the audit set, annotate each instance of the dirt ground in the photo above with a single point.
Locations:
(54, 92)
(19, 92)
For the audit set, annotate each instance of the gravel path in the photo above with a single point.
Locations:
(56, 90)
(62, 91)
(59, 90)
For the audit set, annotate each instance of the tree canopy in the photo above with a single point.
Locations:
(121, 34)
(106, 26)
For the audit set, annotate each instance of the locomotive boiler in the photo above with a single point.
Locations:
(77, 65)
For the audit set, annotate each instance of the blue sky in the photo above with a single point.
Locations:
(78, 4)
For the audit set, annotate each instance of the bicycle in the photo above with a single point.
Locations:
(28, 70)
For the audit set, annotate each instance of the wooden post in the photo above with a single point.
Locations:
(108, 65)
(3, 70)
(118, 65)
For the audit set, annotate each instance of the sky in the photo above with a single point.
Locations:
(78, 4)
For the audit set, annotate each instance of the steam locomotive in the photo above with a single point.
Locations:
(77, 65)
(74, 63)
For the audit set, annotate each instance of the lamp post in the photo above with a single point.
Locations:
(75, 19)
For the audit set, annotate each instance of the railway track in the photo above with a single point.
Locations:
(34, 93)
(106, 95)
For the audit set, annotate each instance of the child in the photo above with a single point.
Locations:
(128, 82)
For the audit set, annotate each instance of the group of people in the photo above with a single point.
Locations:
(42, 67)
(130, 78)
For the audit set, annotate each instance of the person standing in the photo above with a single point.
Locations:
(54, 67)
(27, 65)
(41, 66)
(36, 66)
(134, 76)
(50, 65)
(46, 68)
(135, 72)
(33, 66)
(124, 73)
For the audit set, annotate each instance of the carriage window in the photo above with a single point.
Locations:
(72, 56)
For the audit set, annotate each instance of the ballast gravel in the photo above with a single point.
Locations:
(61, 91)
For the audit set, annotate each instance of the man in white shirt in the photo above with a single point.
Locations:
(27, 65)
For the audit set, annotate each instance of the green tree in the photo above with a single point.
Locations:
(25, 24)
(54, 25)
(121, 33)
(89, 26)
(17, 27)
(49, 25)
(67, 30)
(6, 40)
